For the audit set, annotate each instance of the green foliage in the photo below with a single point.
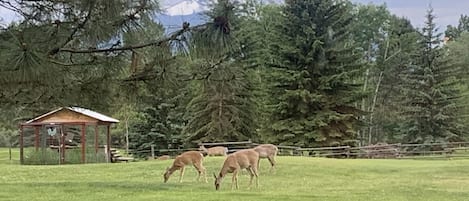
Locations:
(430, 110)
(455, 32)
(312, 75)
(396, 50)
(160, 126)
(308, 73)
(457, 51)
(39, 68)
(222, 107)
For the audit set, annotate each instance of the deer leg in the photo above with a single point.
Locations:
(255, 173)
(198, 171)
(234, 179)
(272, 163)
(204, 171)
(201, 170)
(251, 172)
(181, 175)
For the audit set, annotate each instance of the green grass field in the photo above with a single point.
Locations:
(297, 178)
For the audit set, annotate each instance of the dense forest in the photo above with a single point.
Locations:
(304, 72)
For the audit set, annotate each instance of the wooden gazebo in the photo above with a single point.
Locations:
(50, 132)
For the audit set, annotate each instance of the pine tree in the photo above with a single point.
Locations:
(313, 75)
(454, 33)
(50, 57)
(222, 107)
(431, 113)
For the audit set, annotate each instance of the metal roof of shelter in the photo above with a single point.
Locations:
(83, 114)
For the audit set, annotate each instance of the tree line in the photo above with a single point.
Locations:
(304, 72)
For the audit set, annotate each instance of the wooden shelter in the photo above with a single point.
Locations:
(57, 136)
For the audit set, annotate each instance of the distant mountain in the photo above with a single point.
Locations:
(183, 7)
(174, 22)
(178, 11)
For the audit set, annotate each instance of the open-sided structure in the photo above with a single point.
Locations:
(66, 135)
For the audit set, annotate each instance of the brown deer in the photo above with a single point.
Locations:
(187, 158)
(268, 151)
(163, 157)
(235, 162)
(214, 151)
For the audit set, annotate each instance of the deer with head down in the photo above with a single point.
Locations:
(235, 162)
(214, 151)
(187, 158)
(268, 151)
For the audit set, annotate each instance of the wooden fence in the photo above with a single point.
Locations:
(380, 150)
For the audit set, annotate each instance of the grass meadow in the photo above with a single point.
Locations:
(296, 178)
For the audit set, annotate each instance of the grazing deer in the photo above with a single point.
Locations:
(214, 151)
(163, 157)
(268, 151)
(235, 162)
(189, 157)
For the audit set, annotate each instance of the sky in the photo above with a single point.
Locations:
(446, 11)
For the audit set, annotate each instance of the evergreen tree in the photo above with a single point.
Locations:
(431, 113)
(313, 75)
(455, 32)
(53, 56)
(222, 107)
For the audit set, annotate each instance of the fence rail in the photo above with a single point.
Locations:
(399, 151)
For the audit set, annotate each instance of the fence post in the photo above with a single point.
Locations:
(347, 149)
(152, 151)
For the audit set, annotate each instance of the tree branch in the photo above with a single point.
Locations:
(133, 47)
(78, 27)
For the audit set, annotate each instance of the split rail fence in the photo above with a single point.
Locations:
(380, 150)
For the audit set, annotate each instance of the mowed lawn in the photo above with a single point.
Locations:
(297, 178)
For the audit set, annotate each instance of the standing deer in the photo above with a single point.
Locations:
(268, 151)
(235, 162)
(214, 151)
(189, 157)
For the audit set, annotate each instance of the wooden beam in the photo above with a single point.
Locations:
(225, 143)
(83, 144)
(21, 146)
(62, 145)
(108, 142)
(36, 137)
(96, 143)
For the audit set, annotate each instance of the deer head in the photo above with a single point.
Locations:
(167, 174)
(217, 181)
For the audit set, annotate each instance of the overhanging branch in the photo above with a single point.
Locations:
(133, 47)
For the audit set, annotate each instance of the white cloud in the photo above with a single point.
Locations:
(184, 8)
(7, 16)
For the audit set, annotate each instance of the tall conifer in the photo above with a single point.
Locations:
(313, 70)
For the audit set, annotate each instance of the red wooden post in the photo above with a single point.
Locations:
(21, 146)
(108, 142)
(96, 143)
(36, 137)
(83, 144)
(62, 144)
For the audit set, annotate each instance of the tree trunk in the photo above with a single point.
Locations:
(372, 109)
(127, 135)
